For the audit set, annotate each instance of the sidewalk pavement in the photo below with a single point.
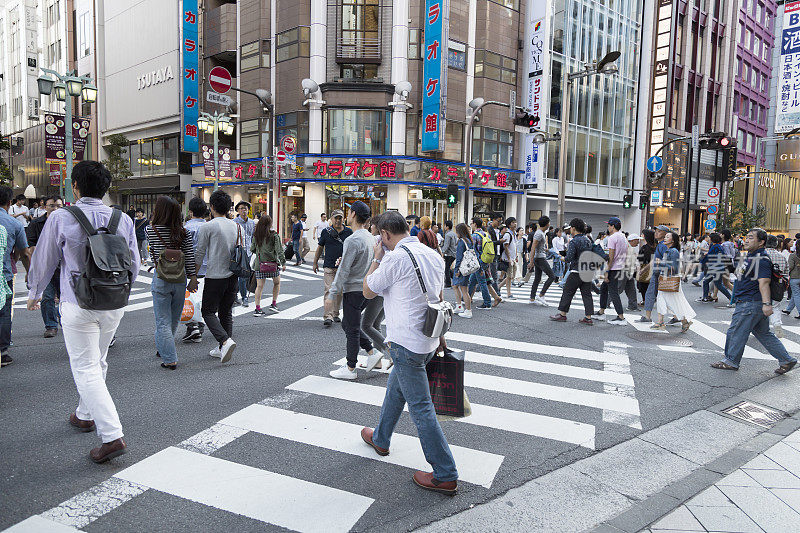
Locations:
(707, 468)
(763, 495)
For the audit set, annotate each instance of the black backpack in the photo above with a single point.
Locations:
(777, 283)
(104, 284)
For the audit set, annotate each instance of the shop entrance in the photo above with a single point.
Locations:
(341, 196)
(293, 202)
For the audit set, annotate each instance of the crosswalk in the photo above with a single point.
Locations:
(194, 470)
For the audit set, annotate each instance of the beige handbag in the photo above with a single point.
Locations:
(669, 283)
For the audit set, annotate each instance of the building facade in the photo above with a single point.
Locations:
(755, 38)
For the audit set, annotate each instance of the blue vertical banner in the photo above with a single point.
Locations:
(190, 105)
(434, 74)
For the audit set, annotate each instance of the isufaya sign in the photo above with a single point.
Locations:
(155, 77)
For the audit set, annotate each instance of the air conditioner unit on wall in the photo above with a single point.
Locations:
(415, 194)
(294, 191)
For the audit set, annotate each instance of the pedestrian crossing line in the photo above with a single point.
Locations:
(545, 349)
(474, 466)
(294, 275)
(86, 507)
(627, 405)
(310, 268)
(682, 349)
(621, 390)
(212, 439)
(252, 492)
(717, 337)
(241, 310)
(530, 424)
(633, 320)
(38, 524)
(792, 329)
(578, 372)
(144, 277)
(299, 310)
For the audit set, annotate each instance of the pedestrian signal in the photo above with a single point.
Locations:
(642, 202)
(452, 195)
(627, 201)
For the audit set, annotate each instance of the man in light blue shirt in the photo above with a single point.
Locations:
(248, 227)
(16, 248)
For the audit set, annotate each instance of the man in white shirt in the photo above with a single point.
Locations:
(320, 226)
(304, 246)
(20, 211)
(392, 275)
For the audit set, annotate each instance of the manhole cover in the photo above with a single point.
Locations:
(664, 339)
(760, 415)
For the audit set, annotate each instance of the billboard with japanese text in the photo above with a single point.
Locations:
(190, 102)
(535, 93)
(788, 113)
(434, 78)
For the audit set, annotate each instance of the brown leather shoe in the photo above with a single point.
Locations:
(49, 333)
(108, 450)
(84, 425)
(366, 435)
(427, 481)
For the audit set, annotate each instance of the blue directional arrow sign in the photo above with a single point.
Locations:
(710, 225)
(655, 163)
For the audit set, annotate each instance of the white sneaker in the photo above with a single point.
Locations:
(599, 317)
(617, 321)
(541, 301)
(372, 361)
(459, 309)
(215, 352)
(343, 372)
(778, 331)
(227, 350)
(467, 313)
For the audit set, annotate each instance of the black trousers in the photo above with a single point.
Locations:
(448, 272)
(353, 303)
(610, 290)
(218, 297)
(573, 283)
(540, 265)
(641, 286)
(628, 285)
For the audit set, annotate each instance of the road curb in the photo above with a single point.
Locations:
(634, 483)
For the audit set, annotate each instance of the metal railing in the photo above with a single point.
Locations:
(358, 48)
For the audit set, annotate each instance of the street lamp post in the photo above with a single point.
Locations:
(268, 107)
(68, 86)
(475, 106)
(604, 66)
(213, 124)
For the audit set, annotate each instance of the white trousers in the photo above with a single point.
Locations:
(87, 335)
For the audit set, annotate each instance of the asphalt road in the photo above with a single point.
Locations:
(288, 454)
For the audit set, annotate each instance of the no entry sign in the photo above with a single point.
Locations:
(289, 144)
(220, 79)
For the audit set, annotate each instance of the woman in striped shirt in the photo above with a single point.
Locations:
(166, 232)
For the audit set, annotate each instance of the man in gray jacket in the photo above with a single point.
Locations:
(449, 251)
(349, 281)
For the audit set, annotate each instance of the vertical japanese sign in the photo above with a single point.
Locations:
(55, 134)
(190, 104)
(434, 77)
(660, 79)
(788, 112)
(535, 94)
(32, 57)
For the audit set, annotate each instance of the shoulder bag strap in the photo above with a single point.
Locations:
(419, 274)
(113, 224)
(238, 234)
(80, 216)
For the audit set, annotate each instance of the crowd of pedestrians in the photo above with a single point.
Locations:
(379, 269)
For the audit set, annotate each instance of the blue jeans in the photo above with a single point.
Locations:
(650, 295)
(5, 319)
(699, 277)
(243, 287)
(168, 299)
(478, 278)
(296, 248)
(749, 317)
(408, 383)
(794, 301)
(50, 314)
(716, 280)
(735, 286)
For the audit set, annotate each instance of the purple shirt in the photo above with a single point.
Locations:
(63, 240)
(619, 244)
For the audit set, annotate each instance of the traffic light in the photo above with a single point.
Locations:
(642, 201)
(526, 120)
(627, 201)
(729, 155)
(715, 141)
(452, 195)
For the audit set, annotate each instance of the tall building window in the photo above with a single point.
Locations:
(294, 124)
(414, 43)
(359, 30)
(292, 43)
(84, 34)
(495, 67)
(492, 147)
(249, 59)
(357, 131)
(360, 71)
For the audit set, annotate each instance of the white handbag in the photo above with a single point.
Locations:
(469, 262)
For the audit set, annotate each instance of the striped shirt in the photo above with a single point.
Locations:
(156, 247)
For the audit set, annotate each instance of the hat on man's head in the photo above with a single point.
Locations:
(242, 203)
(337, 213)
(663, 227)
(304, 216)
(361, 209)
(613, 220)
(633, 237)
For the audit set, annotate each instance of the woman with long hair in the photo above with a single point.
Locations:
(669, 301)
(426, 235)
(270, 255)
(461, 283)
(172, 251)
(645, 257)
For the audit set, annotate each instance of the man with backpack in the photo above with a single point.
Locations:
(332, 243)
(781, 271)
(89, 319)
(753, 308)
(485, 250)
